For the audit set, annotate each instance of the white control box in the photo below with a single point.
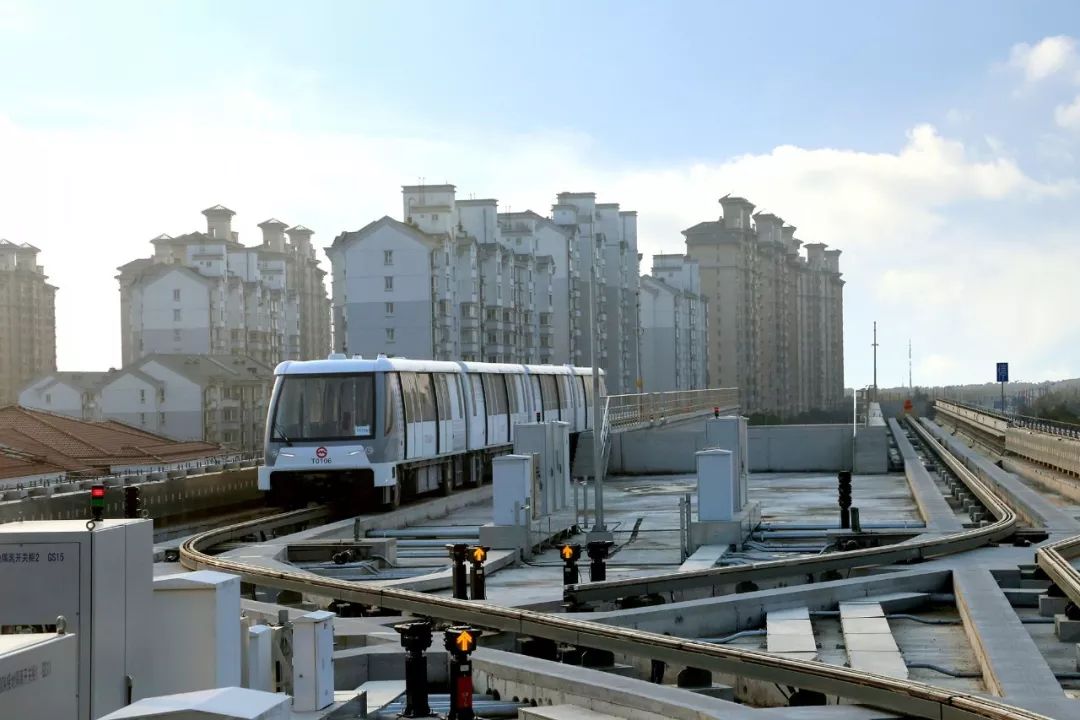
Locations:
(550, 442)
(196, 631)
(715, 477)
(99, 581)
(729, 433)
(313, 661)
(39, 676)
(513, 478)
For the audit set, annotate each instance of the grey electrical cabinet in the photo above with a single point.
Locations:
(99, 580)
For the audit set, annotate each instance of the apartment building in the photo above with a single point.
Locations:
(674, 318)
(219, 399)
(27, 319)
(456, 279)
(74, 394)
(206, 293)
(775, 326)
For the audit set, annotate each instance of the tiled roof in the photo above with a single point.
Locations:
(34, 442)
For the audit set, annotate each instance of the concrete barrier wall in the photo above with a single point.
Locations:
(793, 448)
(773, 448)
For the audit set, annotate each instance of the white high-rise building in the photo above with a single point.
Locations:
(456, 279)
(205, 293)
(775, 317)
(674, 319)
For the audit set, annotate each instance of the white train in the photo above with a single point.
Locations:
(380, 429)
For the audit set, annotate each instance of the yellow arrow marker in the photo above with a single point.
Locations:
(464, 641)
(567, 552)
(478, 554)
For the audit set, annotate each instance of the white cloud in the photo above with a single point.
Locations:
(1068, 116)
(1045, 58)
(93, 197)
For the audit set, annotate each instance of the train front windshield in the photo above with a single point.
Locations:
(324, 407)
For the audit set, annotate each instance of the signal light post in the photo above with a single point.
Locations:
(598, 552)
(132, 502)
(97, 503)
(460, 643)
(477, 556)
(416, 639)
(844, 492)
(570, 555)
(457, 557)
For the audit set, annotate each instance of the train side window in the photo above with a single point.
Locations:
(477, 393)
(426, 395)
(495, 395)
(549, 393)
(534, 381)
(442, 397)
(512, 393)
(412, 403)
(391, 391)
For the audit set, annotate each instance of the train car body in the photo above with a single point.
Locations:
(390, 427)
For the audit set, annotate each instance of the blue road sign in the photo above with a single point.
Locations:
(1003, 372)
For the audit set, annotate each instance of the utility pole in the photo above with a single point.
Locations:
(911, 385)
(875, 360)
(599, 530)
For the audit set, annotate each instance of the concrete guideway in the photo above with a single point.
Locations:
(909, 698)
(1056, 558)
(936, 513)
(914, 550)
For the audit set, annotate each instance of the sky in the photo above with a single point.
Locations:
(935, 144)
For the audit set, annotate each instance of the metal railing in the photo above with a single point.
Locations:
(627, 412)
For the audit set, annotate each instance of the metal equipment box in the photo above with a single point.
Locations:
(550, 443)
(313, 661)
(197, 631)
(99, 580)
(38, 676)
(513, 484)
(730, 433)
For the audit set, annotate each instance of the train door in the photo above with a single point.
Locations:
(520, 400)
(394, 418)
(477, 412)
(586, 409)
(537, 400)
(429, 428)
(412, 415)
(566, 398)
(495, 395)
(443, 413)
(577, 400)
(457, 412)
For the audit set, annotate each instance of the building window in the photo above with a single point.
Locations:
(48, 398)
(176, 315)
(435, 216)
(176, 295)
(176, 336)
(388, 257)
(142, 397)
(388, 283)
(389, 308)
(389, 334)
(142, 418)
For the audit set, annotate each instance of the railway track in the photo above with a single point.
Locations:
(907, 697)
